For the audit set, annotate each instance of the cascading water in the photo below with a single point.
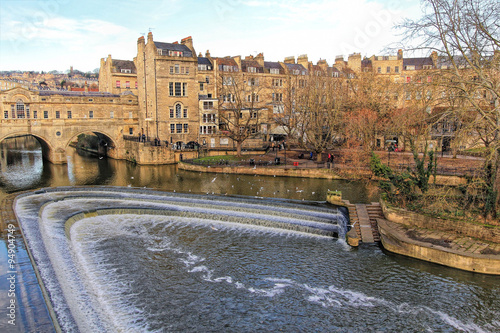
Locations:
(115, 259)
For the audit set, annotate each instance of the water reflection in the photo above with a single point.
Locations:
(23, 168)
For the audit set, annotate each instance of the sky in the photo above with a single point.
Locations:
(46, 35)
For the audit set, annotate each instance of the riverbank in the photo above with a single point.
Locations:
(464, 245)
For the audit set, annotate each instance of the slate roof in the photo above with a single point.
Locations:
(186, 51)
(124, 64)
(251, 63)
(272, 65)
(417, 62)
(204, 61)
(296, 67)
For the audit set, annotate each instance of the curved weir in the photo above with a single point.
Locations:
(131, 260)
(50, 217)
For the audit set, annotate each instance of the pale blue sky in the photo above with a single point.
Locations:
(56, 34)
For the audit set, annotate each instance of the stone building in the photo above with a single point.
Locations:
(117, 76)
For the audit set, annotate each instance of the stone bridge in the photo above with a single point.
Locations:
(55, 135)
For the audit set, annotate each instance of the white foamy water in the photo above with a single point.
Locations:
(125, 272)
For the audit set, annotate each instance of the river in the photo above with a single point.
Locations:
(154, 273)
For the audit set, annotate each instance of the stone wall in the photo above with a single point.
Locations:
(402, 245)
(140, 153)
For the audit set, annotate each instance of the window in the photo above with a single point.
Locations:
(127, 84)
(274, 70)
(227, 81)
(35, 114)
(252, 70)
(388, 70)
(118, 84)
(396, 69)
(130, 131)
(20, 109)
(172, 128)
(202, 67)
(253, 82)
(186, 128)
(277, 82)
(184, 89)
(185, 113)
(124, 70)
(130, 114)
(208, 105)
(178, 128)
(171, 69)
(45, 114)
(69, 115)
(6, 114)
(171, 88)
(178, 111)
(58, 114)
(91, 114)
(111, 114)
(201, 86)
(178, 88)
(171, 113)
(379, 69)
(176, 69)
(207, 79)
(254, 115)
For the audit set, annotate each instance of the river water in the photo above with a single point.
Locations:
(169, 273)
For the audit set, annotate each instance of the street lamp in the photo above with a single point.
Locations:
(391, 146)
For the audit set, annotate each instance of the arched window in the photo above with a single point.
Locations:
(20, 109)
(178, 111)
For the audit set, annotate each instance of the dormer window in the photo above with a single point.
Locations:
(252, 70)
(275, 71)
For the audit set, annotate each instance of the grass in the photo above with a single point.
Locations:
(227, 158)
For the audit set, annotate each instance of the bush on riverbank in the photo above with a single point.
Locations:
(413, 189)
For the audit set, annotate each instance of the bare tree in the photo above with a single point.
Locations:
(318, 119)
(240, 109)
(466, 36)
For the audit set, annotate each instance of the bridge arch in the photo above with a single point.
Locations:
(48, 149)
(106, 144)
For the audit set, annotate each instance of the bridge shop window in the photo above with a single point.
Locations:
(20, 109)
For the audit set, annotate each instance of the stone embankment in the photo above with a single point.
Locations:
(459, 244)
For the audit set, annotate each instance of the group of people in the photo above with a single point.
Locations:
(156, 141)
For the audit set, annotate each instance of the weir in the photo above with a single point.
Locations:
(48, 216)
